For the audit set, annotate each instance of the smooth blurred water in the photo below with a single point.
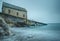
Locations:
(50, 32)
(50, 26)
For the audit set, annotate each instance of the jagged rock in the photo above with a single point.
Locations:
(4, 27)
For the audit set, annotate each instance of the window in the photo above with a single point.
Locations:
(17, 13)
(2, 10)
(23, 15)
(8, 11)
(1, 21)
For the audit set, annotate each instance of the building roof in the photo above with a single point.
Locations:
(13, 7)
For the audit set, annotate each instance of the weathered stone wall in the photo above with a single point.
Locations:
(14, 12)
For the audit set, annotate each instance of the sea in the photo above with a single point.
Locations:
(49, 32)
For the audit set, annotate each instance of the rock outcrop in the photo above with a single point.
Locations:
(4, 27)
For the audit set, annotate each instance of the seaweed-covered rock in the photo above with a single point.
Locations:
(4, 28)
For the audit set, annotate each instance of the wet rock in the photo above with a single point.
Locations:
(4, 27)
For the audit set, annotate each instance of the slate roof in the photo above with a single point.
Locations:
(13, 7)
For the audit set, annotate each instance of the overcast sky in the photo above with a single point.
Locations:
(47, 11)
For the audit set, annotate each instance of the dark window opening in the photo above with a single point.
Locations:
(17, 13)
(8, 11)
(23, 15)
(1, 21)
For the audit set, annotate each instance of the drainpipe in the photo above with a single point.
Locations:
(26, 17)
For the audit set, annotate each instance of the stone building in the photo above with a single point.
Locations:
(12, 13)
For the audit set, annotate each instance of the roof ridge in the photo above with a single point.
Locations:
(13, 6)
